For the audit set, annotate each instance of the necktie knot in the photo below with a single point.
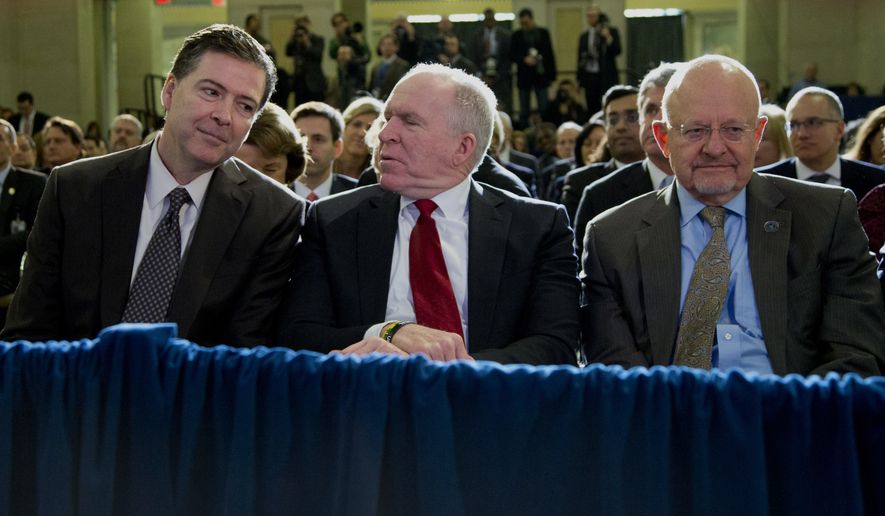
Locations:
(177, 198)
(714, 215)
(426, 207)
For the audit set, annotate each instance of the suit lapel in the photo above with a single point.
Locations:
(659, 260)
(768, 242)
(11, 187)
(122, 197)
(223, 209)
(377, 223)
(487, 236)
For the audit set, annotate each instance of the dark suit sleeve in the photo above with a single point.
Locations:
(551, 306)
(606, 333)
(35, 310)
(30, 188)
(852, 322)
(571, 197)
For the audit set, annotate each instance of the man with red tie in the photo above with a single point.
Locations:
(430, 261)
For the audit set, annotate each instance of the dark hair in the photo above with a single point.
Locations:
(314, 108)
(582, 137)
(228, 40)
(250, 17)
(69, 127)
(275, 134)
(25, 96)
(525, 11)
(616, 92)
(386, 35)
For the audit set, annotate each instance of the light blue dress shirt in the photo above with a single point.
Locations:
(739, 340)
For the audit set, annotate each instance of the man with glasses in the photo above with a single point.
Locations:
(621, 137)
(815, 124)
(726, 268)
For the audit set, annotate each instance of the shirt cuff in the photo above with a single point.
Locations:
(375, 329)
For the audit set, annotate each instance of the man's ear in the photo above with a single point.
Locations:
(465, 149)
(168, 88)
(339, 147)
(760, 130)
(659, 128)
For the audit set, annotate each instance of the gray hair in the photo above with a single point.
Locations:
(129, 118)
(657, 77)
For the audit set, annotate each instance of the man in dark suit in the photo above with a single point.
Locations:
(389, 69)
(322, 126)
(430, 261)
(637, 178)
(507, 154)
(598, 46)
(772, 274)
(172, 231)
(306, 50)
(815, 124)
(20, 192)
(532, 51)
(491, 52)
(621, 137)
(28, 120)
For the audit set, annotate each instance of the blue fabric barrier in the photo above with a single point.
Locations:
(139, 422)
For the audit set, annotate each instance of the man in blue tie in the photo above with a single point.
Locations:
(726, 268)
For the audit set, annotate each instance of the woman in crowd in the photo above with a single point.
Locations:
(588, 141)
(274, 146)
(868, 144)
(775, 144)
(358, 117)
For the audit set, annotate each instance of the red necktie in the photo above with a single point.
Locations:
(312, 196)
(432, 293)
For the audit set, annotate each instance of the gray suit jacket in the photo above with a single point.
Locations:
(82, 248)
(819, 305)
(521, 283)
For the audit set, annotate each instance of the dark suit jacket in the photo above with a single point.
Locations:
(394, 73)
(342, 184)
(40, 120)
(81, 250)
(530, 76)
(521, 282)
(526, 160)
(525, 174)
(18, 201)
(578, 179)
(819, 305)
(858, 176)
(608, 69)
(610, 191)
(502, 61)
(309, 79)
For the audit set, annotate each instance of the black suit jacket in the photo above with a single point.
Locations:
(342, 184)
(81, 251)
(40, 120)
(521, 285)
(858, 176)
(578, 179)
(607, 52)
(18, 202)
(395, 71)
(819, 305)
(530, 76)
(610, 191)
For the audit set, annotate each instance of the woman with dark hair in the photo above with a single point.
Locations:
(867, 144)
(588, 141)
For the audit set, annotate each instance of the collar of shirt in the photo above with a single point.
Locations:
(655, 173)
(452, 203)
(322, 190)
(160, 182)
(834, 170)
(689, 207)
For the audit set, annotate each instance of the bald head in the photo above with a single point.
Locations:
(703, 74)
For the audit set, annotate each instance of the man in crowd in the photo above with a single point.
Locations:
(638, 178)
(598, 46)
(349, 50)
(28, 120)
(389, 69)
(532, 51)
(322, 126)
(622, 138)
(397, 261)
(125, 132)
(727, 268)
(815, 124)
(491, 53)
(62, 142)
(172, 231)
(306, 50)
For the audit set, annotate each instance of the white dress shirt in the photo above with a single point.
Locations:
(324, 189)
(655, 174)
(834, 170)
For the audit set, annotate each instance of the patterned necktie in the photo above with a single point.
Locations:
(151, 292)
(705, 297)
(432, 293)
(820, 178)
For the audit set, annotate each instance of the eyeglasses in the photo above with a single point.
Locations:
(700, 133)
(814, 123)
(613, 119)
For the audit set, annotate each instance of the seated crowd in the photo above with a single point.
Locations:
(684, 223)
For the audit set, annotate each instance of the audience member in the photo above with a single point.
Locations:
(588, 140)
(28, 120)
(772, 274)
(765, 91)
(519, 141)
(775, 144)
(809, 79)
(652, 173)
(25, 155)
(93, 146)
(566, 135)
(524, 173)
(565, 106)
(434, 51)
(223, 234)
(126, 131)
(306, 50)
(355, 154)
(20, 192)
(871, 210)
(622, 138)
(509, 153)
(253, 28)
(867, 144)
(389, 69)
(453, 57)
(532, 51)
(274, 146)
(435, 298)
(6, 113)
(93, 130)
(598, 46)
(322, 127)
(815, 125)
(408, 39)
(491, 52)
(62, 142)
(348, 49)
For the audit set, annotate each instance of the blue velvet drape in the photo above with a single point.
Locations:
(139, 422)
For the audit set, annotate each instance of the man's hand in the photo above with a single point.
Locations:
(436, 344)
(372, 345)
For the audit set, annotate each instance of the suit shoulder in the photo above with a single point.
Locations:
(864, 168)
(519, 203)
(346, 180)
(784, 166)
(261, 184)
(622, 174)
(25, 175)
(624, 217)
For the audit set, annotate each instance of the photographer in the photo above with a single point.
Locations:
(348, 48)
(306, 50)
(598, 46)
(565, 106)
(409, 41)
